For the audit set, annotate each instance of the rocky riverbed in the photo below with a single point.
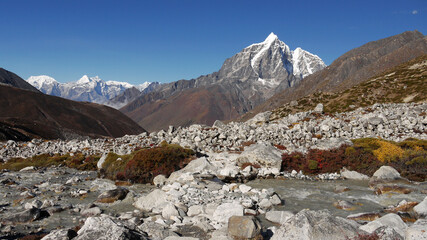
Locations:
(214, 197)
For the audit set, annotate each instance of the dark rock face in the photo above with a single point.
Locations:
(27, 114)
(11, 79)
(354, 67)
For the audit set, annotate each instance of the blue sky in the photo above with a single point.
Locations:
(137, 41)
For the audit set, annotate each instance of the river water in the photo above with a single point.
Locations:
(316, 195)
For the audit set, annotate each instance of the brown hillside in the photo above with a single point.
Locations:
(26, 114)
(198, 105)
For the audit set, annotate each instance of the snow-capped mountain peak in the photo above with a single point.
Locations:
(271, 38)
(305, 63)
(39, 81)
(271, 63)
(90, 89)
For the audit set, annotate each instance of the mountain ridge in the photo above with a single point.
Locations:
(89, 89)
(352, 68)
(246, 79)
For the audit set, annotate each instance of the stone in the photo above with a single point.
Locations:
(224, 211)
(421, 208)
(102, 185)
(276, 200)
(279, 217)
(244, 188)
(341, 189)
(61, 234)
(387, 233)
(265, 204)
(318, 108)
(418, 231)
(113, 195)
(91, 212)
(156, 231)
(28, 169)
(386, 173)
(34, 204)
(244, 227)
(159, 180)
(169, 211)
(353, 175)
(155, 199)
(308, 224)
(101, 161)
(104, 228)
(263, 154)
(26, 216)
(218, 124)
(390, 220)
(195, 210)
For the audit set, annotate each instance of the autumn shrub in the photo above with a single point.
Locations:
(388, 152)
(143, 165)
(365, 156)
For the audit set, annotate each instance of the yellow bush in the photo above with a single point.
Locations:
(387, 151)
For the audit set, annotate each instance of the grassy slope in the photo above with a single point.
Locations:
(404, 83)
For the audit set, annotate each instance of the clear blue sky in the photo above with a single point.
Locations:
(137, 41)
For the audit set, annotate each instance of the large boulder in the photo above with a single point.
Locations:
(26, 216)
(262, 154)
(199, 165)
(421, 208)
(226, 210)
(155, 200)
(391, 220)
(279, 217)
(61, 234)
(418, 231)
(244, 227)
(386, 173)
(321, 224)
(113, 195)
(353, 175)
(105, 228)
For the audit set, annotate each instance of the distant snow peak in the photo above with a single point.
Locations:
(83, 80)
(39, 81)
(90, 89)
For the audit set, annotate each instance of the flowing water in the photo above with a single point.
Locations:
(316, 195)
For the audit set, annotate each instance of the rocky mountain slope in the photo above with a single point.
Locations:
(28, 114)
(10, 79)
(354, 67)
(402, 84)
(244, 81)
(87, 89)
